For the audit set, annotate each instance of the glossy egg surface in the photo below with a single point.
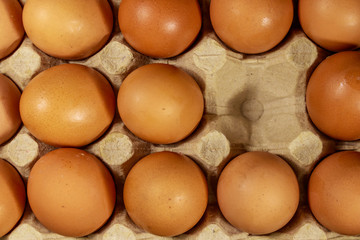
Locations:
(68, 105)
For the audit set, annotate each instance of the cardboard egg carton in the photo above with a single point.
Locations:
(252, 103)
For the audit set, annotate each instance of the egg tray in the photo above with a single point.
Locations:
(252, 103)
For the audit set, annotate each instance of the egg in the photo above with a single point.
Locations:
(165, 193)
(333, 192)
(9, 108)
(333, 96)
(71, 192)
(251, 26)
(258, 192)
(12, 197)
(68, 105)
(160, 28)
(11, 26)
(160, 103)
(332, 24)
(68, 29)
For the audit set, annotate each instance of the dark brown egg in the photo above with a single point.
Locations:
(11, 26)
(12, 197)
(251, 26)
(9, 108)
(160, 28)
(333, 96)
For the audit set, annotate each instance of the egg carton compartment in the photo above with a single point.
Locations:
(252, 103)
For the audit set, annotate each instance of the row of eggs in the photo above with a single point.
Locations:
(162, 29)
(72, 193)
(71, 105)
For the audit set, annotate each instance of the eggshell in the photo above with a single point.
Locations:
(334, 192)
(68, 105)
(251, 26)
(9, 108)
(68, 29)
(332, 24)
(160, 103)
(165, 193)
(160, 28)
(71, 192)
(333, 96)
(12, 197)
(11, 26)
(258, 192)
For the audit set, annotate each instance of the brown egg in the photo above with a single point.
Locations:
(11, 26)
(160, 103)
(9, 108)
(251, 26)
(68, 105)
(333, 96)
(332, 24)
(68, 29)
(12, 197)
(160, 28)
(165, 193)
(258, 192)
(71, 192)
(334, 192)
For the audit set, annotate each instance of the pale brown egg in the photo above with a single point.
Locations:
(12, 197)
(334, 192)
(68, 29)
(71, 192)
(11, 26)
(251, 26)
(160, 28)
(68, 105)
(165, 193)
(9, 108)
(333, 96)
(160, 103)
(332, 24)
(258, 192)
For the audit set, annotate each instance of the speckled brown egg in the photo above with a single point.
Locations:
(71, 192)
(258, 192)
(334, 192)
(333, 96)
(160, 103)
(11, 26)
(160, 28)
(68, 29)
(12, 197)
(9, 108)
(68, 105)
(332, 24)
(165, 193)
(251, 26)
